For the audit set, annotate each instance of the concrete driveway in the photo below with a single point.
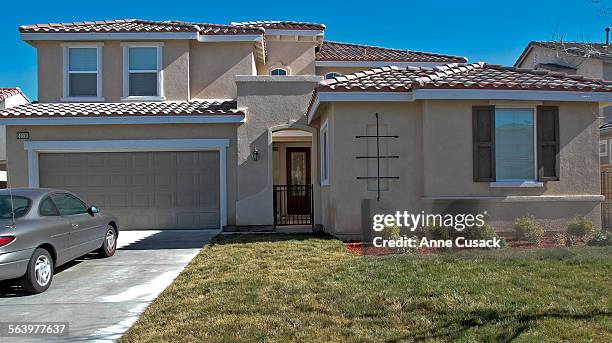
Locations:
(102, 298)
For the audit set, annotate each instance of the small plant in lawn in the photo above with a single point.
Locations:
(527, 228)
(485, 231)
(580, 227)
(394, 232)
(561, 239)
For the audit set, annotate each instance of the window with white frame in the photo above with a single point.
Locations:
(324, 146)
(82, 72)
(515, 144)
(332, 75)
(603, 148)
(142, 71)
(278, 72)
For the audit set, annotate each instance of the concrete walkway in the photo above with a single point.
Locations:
(102, 298)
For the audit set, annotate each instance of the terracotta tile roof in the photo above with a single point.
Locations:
(135, 25)
(217, 29)
(335, 51)
(280, 25)
(170, 108)
(580, 49)
(461, 76)
(6, 93)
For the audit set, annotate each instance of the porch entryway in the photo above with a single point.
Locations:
(292, 157)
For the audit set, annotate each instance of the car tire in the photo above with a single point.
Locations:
(109, 245)
(39, 273)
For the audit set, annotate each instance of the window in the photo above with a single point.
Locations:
(324, 146)
(278, 72)
(82, 77)
(16, 206)
(603, 148)
(69, 204)
(142, 72)
(332, 75)
(47, 208)
(515, 144)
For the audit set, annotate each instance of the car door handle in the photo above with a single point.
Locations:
(75, 226)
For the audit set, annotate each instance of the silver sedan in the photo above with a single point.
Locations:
(41, 229)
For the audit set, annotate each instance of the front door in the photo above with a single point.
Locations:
(298, 181)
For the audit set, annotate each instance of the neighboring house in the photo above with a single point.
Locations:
(189, 125)
(589, 59)
(9, 97)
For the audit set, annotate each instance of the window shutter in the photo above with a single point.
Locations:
(548, 143)
(483, 132)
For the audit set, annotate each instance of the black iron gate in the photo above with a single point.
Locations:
(293, 205)
(606, 205)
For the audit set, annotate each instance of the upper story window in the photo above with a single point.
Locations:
(82, 72)
(278, 72)
(332, 75)
(142, 77)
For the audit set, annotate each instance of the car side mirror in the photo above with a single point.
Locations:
(93, 210)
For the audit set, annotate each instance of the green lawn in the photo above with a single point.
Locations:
(282, 288)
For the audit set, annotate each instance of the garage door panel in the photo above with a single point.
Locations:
(145, 190)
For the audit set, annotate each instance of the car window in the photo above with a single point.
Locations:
(68, 204)
(47, 208)
(17, 204)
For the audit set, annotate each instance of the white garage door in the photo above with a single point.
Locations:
(145, 190)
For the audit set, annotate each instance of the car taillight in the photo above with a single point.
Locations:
(4, 240)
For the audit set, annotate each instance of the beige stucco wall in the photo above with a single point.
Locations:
(214, 65)
(448, 142)
(175, 65)
(298, 56)
(435, 149)
(273, 103)
(589, 67)
(17, 156)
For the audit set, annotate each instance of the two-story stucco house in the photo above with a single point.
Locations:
(188, 125)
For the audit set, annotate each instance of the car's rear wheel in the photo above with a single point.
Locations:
(110, 242)
(39, 274)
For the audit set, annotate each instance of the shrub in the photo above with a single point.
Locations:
(481, 232)
(438, 232)
(580, 227)
(527, 228)
(600, 238)
(561, 239)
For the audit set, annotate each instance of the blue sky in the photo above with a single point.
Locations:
(491, 31)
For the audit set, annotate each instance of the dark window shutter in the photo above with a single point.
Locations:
(483, 132)
(548, 143)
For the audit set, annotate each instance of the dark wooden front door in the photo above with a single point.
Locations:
(298, 181)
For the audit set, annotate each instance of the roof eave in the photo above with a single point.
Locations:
(321, 96)
(73, 36)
